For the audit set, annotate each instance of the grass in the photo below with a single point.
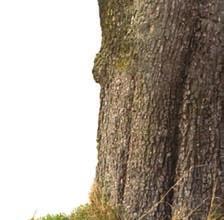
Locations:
(53, 217)
(98, 208)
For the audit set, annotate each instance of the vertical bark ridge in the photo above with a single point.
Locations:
(114, 71)
(199, 121)
(114, 141)
(126, 154)
(220, 114)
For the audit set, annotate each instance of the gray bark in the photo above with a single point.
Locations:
(161, 121)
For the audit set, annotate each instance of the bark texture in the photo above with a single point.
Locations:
(161, 121)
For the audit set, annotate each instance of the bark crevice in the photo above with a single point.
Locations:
(180, 90)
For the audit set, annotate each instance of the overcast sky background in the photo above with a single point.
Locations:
(48, 105)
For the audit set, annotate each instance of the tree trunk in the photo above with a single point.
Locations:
(161, 122)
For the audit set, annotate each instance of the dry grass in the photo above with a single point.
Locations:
(217, 211)
(101, 208)
(97, 209)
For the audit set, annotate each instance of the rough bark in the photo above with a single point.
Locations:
(161, 122)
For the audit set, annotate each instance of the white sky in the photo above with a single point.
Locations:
(48, 105)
